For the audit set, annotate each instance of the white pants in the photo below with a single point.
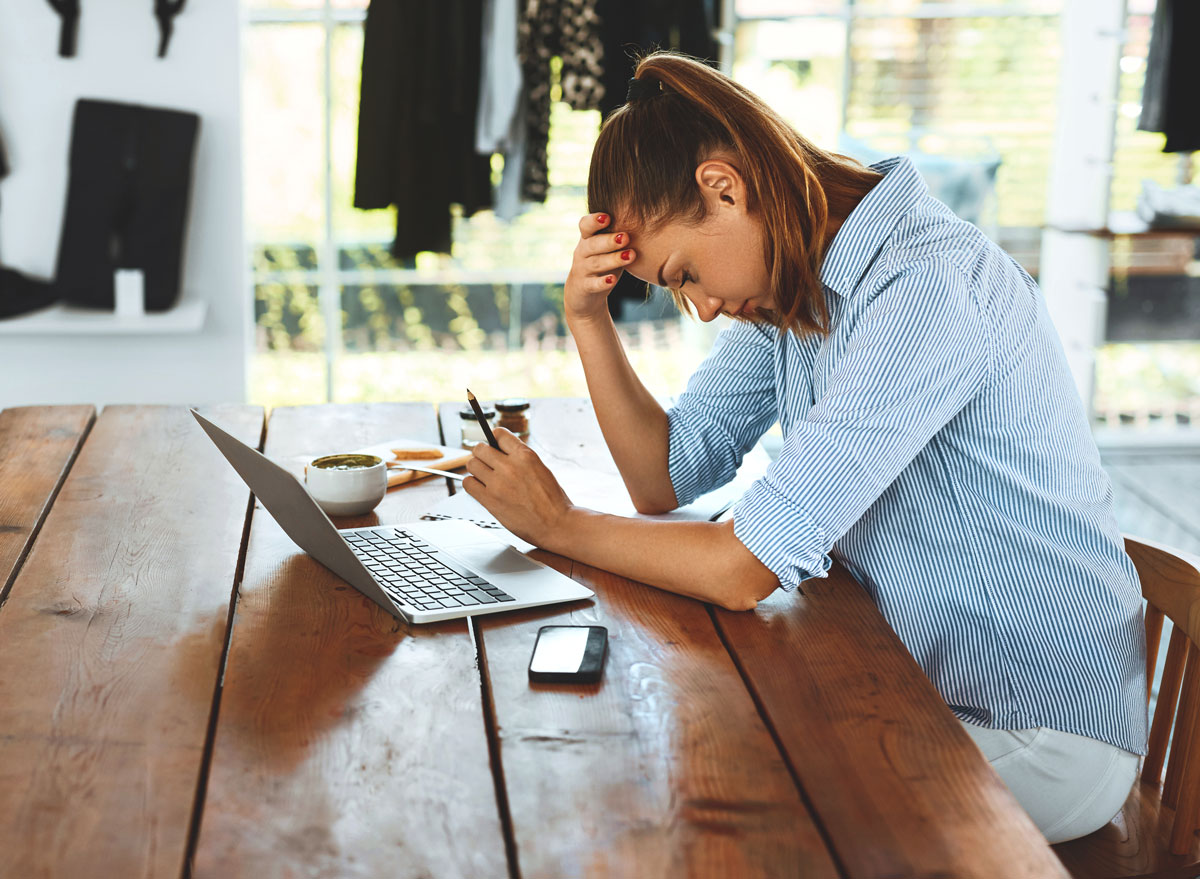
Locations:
(1070, 785)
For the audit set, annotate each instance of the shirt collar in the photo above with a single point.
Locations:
(864, 232)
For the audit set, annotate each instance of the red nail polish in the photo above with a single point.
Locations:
(601, 219)
(620, 239)
(610, 279)
(625, 254)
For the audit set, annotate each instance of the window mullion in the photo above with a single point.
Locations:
(847, 72)
(328, 293)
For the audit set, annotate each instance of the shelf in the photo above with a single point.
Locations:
(1124, 224)
(63, 320)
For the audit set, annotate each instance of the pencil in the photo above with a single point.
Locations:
(487, 430)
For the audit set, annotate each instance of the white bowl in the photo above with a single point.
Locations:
(346, 485)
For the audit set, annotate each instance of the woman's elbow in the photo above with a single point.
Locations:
(650, 507)
(654, 505)
(744, 581)
(738, 602)
(745, 589)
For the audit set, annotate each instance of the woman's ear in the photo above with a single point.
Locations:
(721, 185)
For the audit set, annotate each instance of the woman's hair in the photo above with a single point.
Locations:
(644, 163)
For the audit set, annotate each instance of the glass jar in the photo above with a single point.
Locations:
(472, 433)
(514, 416)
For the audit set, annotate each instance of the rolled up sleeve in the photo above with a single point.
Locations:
(729, 403)
(917, 354)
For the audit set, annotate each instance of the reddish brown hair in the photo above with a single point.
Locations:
(643, 174)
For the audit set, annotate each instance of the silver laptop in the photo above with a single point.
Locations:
(422, 571)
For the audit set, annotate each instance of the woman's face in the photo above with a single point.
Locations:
(718, 264)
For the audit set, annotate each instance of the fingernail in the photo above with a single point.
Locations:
(601, 219)
(620, 239)
(625, 254)
(609, 280)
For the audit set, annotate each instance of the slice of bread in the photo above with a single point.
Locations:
(418, 454)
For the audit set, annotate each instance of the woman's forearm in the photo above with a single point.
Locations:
(632, 421)
(703, 560)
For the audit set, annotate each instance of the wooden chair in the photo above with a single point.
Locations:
(1155, 834)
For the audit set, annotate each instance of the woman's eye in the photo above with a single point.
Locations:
(683, 280)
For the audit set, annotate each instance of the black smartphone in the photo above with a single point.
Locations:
(568, 654)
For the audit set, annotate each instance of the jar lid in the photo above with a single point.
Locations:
(513, 404)
(466, 413)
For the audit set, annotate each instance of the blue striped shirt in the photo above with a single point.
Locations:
(936, 446)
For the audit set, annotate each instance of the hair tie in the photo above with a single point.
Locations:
(640, 89)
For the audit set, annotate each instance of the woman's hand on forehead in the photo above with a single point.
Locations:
(599, 259)
(590, 224)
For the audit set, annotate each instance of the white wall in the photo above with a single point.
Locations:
(116, 59)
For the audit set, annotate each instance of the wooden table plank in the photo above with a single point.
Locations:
(38, 444)
(898, 785)
(347, 744)
(664, 768)
(117, 621)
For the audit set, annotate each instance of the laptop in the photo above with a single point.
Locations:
(421, 572)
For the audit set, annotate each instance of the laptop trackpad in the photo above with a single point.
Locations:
(497, 558)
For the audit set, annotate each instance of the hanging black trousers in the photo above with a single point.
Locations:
(127, 202)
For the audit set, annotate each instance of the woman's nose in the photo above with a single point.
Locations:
(707, 308)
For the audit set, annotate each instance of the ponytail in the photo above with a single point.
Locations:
(643, 166)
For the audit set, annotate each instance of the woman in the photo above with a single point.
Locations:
(934, 443)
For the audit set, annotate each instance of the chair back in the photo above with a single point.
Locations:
(1171, 585)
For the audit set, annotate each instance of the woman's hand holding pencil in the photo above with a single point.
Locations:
(513, 484)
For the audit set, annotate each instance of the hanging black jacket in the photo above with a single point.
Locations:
(628, 27)
(632, 27)
(18, 293)
(416, 123)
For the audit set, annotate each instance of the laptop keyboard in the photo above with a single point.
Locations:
(417, 574)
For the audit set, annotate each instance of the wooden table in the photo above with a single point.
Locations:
(182, 691)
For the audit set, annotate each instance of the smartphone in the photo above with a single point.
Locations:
(568, 654)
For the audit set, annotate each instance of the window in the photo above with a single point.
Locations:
(968, 88)
(336, 317)
(968, 85)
